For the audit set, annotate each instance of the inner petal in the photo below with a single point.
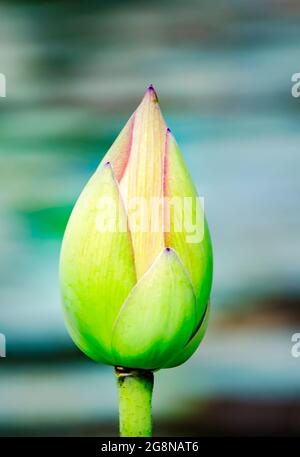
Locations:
(141, 183)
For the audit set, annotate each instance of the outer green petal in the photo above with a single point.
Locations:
(96, 268)
(196, 256)
(192, 344)
(157, 318)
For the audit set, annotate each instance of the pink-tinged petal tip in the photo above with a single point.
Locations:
(152, 93)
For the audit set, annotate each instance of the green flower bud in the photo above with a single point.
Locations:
(135, 274)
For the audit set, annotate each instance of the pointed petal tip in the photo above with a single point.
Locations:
(152, 92)
(107, 169)
(108, 166)
(169, 137)
(169, 252)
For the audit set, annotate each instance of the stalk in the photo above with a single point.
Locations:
(135, 395)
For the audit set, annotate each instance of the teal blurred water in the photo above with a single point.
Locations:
(74, 75)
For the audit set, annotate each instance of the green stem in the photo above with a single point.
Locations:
(135, 394)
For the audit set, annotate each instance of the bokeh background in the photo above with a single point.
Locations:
(75, 72)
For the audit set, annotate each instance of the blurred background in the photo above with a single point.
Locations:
(75, 72)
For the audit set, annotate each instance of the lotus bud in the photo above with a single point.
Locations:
(136, 258)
